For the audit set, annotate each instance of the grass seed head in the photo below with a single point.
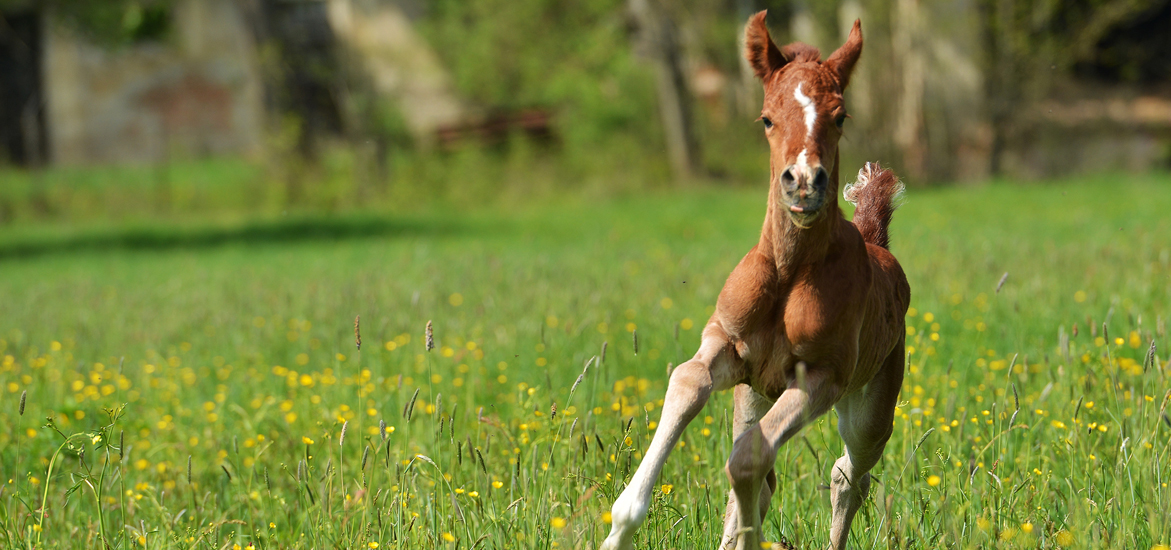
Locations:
(382, 428)
(430, 337)
(23, 398)
(189, 469)
(410, 408)
(341, 439)
(358, 332)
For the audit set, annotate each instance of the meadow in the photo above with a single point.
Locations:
(202, 387)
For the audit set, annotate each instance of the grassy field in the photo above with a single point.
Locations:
(203, 389)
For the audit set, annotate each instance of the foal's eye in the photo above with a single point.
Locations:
(767, 123)
(840, 121)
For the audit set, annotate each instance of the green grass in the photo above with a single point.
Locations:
(232, 346)
(68, 195)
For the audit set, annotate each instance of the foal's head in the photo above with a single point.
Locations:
(803, 115)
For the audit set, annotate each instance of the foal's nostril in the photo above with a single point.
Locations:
(787, 179)
(821, 179)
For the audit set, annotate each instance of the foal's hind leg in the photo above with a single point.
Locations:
(749, 408)
(864, 422)
(755, 451)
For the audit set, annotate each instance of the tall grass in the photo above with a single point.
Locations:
(1033, 414)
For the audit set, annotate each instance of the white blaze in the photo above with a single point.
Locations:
(809, 107)
(810, 118)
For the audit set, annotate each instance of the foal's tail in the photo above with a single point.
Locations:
(876, 194)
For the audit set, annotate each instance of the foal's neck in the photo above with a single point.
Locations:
(791, 246)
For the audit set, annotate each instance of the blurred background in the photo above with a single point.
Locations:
(137, 109)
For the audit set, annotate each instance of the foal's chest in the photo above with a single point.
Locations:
(800, 327)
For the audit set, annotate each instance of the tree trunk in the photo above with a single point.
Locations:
(659, 42)
(908, 31)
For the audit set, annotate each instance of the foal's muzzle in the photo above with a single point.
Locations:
(803, 189)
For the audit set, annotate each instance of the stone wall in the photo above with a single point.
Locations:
(197, 93)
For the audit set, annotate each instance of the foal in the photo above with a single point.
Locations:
(811, 318)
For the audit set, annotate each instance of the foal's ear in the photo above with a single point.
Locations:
(759, 48)
(841, 63)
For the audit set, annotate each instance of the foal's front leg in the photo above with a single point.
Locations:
(688, 390)
(750, 407)
(755, 452)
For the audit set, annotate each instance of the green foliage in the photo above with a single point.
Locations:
(1029, 46)
(572, 57)
(239, 359)
(114, 23)
(515, 54)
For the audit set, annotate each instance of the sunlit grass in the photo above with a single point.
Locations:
(1031, 415)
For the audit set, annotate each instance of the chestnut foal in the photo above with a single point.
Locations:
(811, 318)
